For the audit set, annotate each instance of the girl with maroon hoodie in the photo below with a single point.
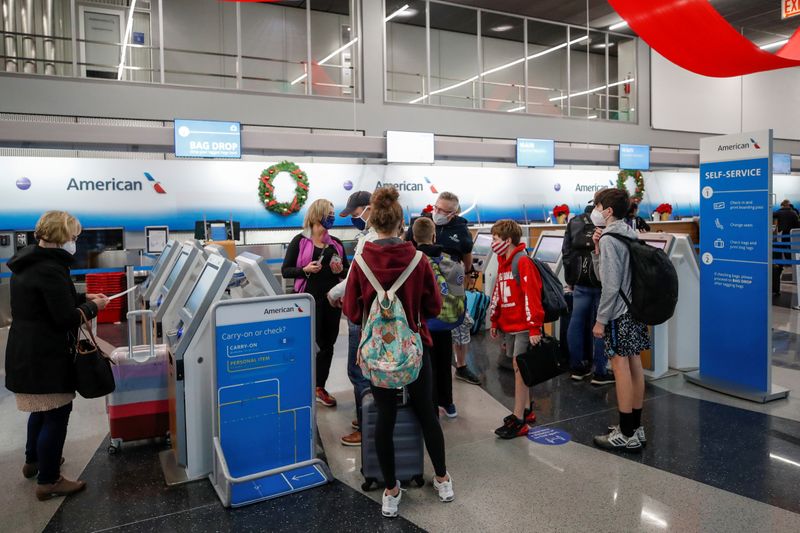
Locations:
(517, 312)
(387, 257)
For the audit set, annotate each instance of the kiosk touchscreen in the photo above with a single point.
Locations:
(176, 284)
(190, 375)
(481, 250)
(160, 269)
(548, 250)
(260, 279)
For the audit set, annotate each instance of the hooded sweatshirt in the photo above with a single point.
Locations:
(388, 258)
(613, 268)
(517, 306)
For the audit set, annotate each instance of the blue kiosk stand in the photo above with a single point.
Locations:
(263, 412)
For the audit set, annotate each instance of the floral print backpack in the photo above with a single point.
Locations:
(390, 352)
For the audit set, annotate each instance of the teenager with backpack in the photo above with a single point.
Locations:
(449, 276)
(586, 289)
(383, 263)
(624, 336)
(517, 313)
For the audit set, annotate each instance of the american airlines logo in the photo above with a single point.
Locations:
(278, 310)
(738, 146)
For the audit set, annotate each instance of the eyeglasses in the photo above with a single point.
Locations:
(438, 209)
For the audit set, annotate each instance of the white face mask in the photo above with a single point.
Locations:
(598, 219)
(440, 219)
(70, 247)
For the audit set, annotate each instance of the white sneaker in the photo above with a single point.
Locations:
(445, 489)
(639, 434)
(391, 503)
(615, 440)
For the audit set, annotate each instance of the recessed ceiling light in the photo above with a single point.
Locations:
(603, 45)
(503, 27)
(618, 25)
(774, 45)
(410, 12)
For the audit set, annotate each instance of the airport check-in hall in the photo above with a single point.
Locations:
(399, 265)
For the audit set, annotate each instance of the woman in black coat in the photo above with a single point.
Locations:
(46, 313)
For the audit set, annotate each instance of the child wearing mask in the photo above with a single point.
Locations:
(517, 313)
(317, 262)
(624, 337)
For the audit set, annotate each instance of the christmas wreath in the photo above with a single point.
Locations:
(638, 179)
(266, 189)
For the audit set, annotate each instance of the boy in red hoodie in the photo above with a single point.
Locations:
(517, 312)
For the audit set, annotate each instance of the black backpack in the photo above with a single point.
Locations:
(577, 260)
(553, 302)
(654, 283)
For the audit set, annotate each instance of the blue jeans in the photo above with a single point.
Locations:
(47, 431)
(360, 383)
(585, 301)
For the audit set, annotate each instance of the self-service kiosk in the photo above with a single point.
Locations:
(161, 268)
(548, 250)
(259, 279)
(190, 363)
(177, 284)
(675, 343)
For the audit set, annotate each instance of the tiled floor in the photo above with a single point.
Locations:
(713, 463)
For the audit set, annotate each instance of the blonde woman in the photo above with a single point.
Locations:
(317, 262)
(46, 313)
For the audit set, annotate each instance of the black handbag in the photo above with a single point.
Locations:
(541, 363)
(93, 375)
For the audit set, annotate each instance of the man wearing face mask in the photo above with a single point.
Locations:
(317, 262)
(359, 212)
(586, 289)
(455, 239)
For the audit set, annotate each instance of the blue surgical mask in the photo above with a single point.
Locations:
(328, 222)
(359, 223)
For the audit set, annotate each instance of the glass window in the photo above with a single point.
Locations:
(274, 46)
(547, 67)
(622, 78)
(406, 51)
(334, 47)
(503, 72)
(454, 52)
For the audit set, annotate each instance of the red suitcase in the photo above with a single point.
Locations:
(138, 408)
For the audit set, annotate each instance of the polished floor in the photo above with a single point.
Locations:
(713, 463)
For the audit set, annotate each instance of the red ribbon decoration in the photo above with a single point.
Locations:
(693, 35)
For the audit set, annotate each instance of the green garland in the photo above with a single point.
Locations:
(638, 178)
(266, 189)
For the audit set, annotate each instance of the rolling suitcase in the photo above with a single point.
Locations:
(139, 407)
(408, 445)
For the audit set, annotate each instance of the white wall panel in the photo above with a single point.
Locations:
(684, 101)
(772, 100)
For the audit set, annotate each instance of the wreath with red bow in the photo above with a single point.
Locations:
(638, 179)
(266, 189)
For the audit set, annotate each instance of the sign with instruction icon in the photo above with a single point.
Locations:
(735, 256)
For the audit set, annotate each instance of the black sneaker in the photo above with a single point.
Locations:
(513, 427)
(580, 373)
(465, 374)
(603, 379)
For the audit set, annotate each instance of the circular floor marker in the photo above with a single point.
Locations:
(549, 436)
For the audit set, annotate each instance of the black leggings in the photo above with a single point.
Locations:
(327, 331)
(442, 368)
(420, 400)
(47, 431)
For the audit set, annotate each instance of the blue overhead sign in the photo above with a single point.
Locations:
(736, 257)
(535, 153)
(208, 138)
(634, 156)
(264, 399)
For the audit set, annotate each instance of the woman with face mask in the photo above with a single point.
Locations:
(317, 262)
(46, 312)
